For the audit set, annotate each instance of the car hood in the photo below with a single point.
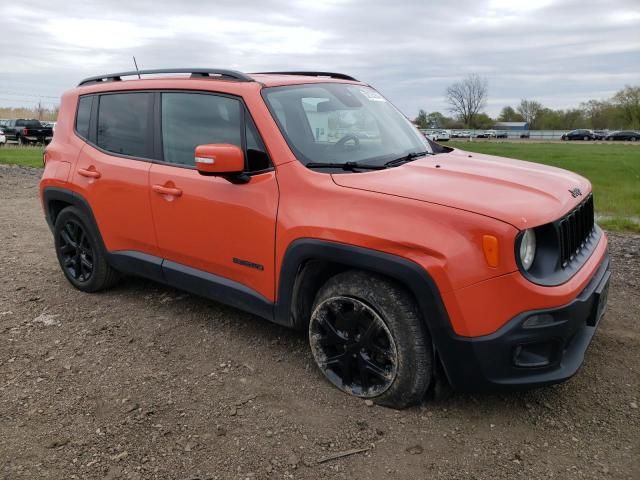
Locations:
(520, 193)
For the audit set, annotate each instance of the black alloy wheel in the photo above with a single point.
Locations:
(75, 251)
(353, 346)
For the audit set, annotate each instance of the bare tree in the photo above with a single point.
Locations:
(467, 97)
(530, 111)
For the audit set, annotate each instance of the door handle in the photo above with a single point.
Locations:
(88, 173)
(162, 190)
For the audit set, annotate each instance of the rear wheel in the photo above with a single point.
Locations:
(585, 138)
(80, 252)
(368, 339)
(633, 139)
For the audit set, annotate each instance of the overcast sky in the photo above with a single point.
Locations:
(558, 52)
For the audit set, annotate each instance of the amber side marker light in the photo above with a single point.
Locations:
(490, 247)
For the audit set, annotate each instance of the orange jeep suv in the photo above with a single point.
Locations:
(307, 199)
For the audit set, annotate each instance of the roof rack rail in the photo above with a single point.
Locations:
(339, 76)
(195, 73)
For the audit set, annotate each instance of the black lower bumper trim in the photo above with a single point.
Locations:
(535, 348)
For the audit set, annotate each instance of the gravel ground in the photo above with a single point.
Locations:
(144, 381)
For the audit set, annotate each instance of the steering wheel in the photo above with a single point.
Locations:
(342, 143)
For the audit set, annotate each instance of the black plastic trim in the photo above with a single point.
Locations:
(192, 280)
(404, 271)
(487, 363)
(217, 288)
(51, 194)
(137, 263)
(338, 76)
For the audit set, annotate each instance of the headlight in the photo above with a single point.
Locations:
(527, 248)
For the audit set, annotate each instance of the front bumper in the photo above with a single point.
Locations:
(535, 348)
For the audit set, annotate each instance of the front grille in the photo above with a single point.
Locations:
(574, 229)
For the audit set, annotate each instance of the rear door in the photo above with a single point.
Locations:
(210, 224)
(112, 171)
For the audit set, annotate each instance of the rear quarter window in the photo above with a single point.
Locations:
(83, 116)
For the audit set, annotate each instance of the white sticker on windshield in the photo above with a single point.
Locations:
(372, 95)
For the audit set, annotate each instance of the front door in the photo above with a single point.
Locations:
(207, 223)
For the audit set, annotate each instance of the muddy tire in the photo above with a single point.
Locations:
(80, 252)
(368, 339)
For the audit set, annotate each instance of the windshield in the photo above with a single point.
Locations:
(339, 123)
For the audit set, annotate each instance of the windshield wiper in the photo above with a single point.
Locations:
(406, 158)
(346, 166)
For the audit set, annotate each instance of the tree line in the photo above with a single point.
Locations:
(468, 97)
(39, 112)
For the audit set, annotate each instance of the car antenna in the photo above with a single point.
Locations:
(136, 64)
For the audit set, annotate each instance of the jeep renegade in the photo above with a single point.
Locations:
(308, 199)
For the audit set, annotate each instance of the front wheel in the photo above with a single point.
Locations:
(368, 339)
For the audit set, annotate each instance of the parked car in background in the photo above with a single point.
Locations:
(601, 134)
(580, 134)
(461, 134)
(27, 132)
(628, 135)
(438, 135)
(480, 135)
(3, 138)
(3, 122)
(496, 134)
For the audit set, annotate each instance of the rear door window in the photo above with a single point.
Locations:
(124, 124)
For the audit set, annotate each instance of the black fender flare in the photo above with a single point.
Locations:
(408, 273)
(53, 194)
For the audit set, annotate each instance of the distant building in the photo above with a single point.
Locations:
(515, 126)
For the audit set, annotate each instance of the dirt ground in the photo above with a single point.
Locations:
(144, 381)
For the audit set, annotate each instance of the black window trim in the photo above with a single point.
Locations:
(155, 120)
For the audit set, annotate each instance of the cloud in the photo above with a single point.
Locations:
(560, 52)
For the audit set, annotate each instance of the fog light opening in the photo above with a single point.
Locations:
(535, 355)
(540, 320)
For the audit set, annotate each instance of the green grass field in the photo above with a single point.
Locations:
(614, 171)
(25, 156)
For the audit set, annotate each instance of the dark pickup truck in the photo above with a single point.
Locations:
(27, 131)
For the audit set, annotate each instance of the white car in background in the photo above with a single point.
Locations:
(3, 139)
(438, 135)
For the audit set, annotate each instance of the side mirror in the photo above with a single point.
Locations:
(221, 160)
